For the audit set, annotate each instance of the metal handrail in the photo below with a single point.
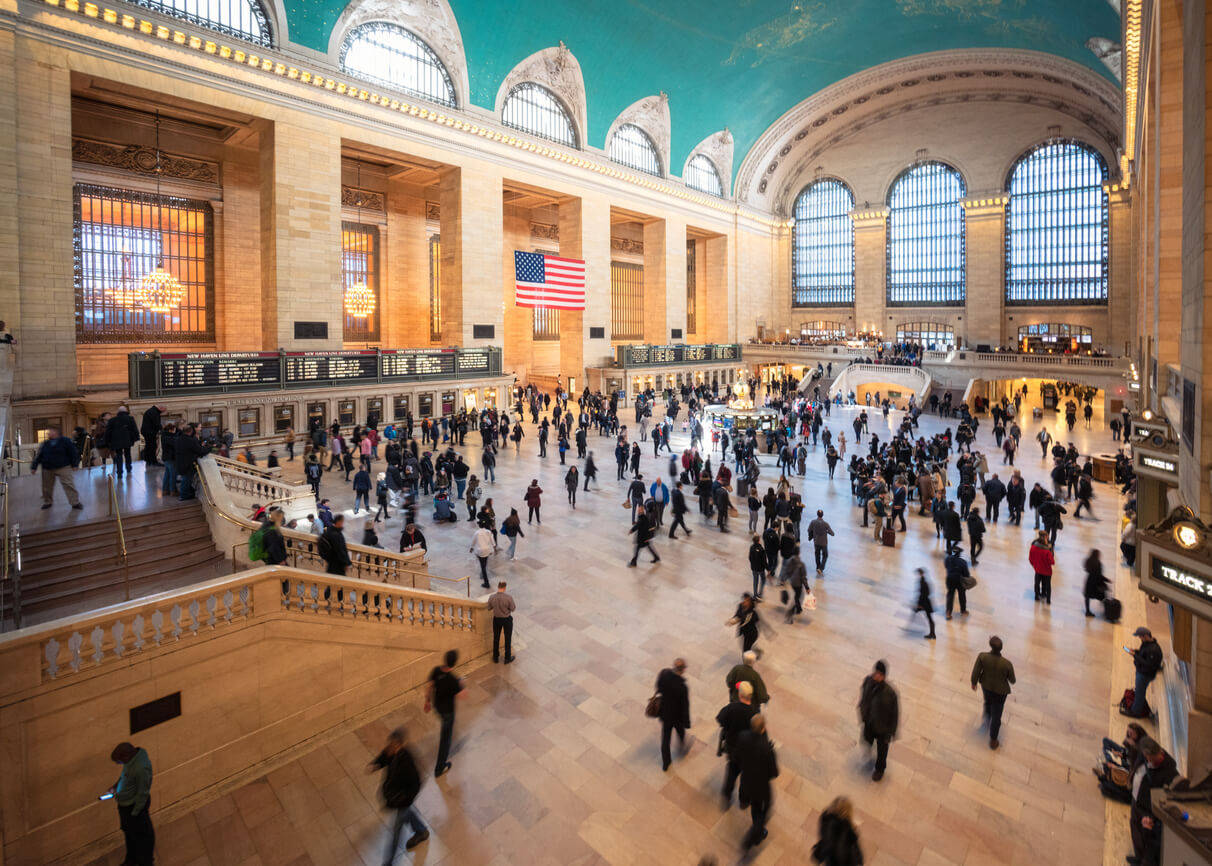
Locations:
(12, 561)
(116, 513)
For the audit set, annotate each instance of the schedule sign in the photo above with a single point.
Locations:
(315, 367)
(663, 356)
(218, 370)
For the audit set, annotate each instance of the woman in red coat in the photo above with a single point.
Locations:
(1042, 559)
(533, 500)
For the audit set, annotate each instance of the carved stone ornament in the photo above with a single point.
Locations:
(626, 245)
(142, 160)
(433, 211)
(557, 70)
(363, 198)
(544, 231)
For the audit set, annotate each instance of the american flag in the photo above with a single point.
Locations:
(550, 282)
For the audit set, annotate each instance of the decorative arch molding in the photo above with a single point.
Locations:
(774, 168)
(557, 70)
(650, 114)
(1012, 161)
(718, 148)
(432, 20)
(947, 159)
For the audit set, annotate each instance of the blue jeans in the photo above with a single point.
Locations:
(490, 471)
(186, 482)
(759, 581)
(169, 484)
(513, 545)
(363, 497)
(1140, 706)
(461, 484)
(403, 816)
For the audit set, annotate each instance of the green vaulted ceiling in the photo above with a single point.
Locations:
(734, 63)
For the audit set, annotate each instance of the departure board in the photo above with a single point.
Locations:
(303, 368)
(417, 363)
(663, 356)
(219, 370)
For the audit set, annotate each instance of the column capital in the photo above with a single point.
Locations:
(1118, 193)
(869, 218)
(987, 205)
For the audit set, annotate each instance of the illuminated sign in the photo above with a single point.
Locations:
(1171, 575)
(1158, 464)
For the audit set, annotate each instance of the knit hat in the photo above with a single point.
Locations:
(881, 668)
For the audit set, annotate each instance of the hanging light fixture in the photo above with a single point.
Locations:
(124, 295)
(160, 291)
(359, 298)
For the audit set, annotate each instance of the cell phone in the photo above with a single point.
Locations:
(1128, 650)
(108, 795)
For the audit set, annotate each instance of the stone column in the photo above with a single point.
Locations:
(985, 269)
(1172, 197)
(717, 324)
(656, 276)
(675, 279)
(238, 271)
(1121, 311)
(584, 228)
(37, 127)
(870, 268)
(301, 233)
(518, 338)
(472, 250)
(404, 287)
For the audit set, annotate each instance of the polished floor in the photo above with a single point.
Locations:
(555, 763)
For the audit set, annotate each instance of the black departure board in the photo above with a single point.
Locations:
(155, 375)
(662, 356)
(219, 370)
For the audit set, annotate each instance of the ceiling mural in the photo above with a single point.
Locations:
(738, 64)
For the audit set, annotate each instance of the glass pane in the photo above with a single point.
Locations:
(822, 248)
(926, 236)
(535, 109)
(389, 55)
(631, 146)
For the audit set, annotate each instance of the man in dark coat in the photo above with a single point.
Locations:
(188, 450)
(401, 784)
(733, 720)
(1159, 771)
(644, 532)
(675, 707)
(953, 530)
(758, 767)
(120, 434)
(679, 508)
(995, 492)
(150, 428)
(333, 548)
(879, 711)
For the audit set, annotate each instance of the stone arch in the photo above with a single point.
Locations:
(557, 70)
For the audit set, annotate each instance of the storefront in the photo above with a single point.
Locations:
(639, 368)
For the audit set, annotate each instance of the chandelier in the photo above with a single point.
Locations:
(359, 297)
(124, 295)
(160, 291)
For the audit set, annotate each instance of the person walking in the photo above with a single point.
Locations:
(1096, 583)
(734, 720)
(482, 546)
(132, 795)
(675, 708)
(746, 672)
(747, 622)
(571, 480)
(837, 840)
(534, 501)
(924, 603)
(502, 606)
(57, 456)
(819, 531)
(120, 434)
(795, 573)
(333, 547)
(660, 498)
(958, 577)
(150, 429)
(976, 533)
(401, 784)
(1147, 659)
(591, 470)
(644, 531)
(443, 688)
(511, 528)
(757, 564)
(879, 712)
(1041, 558)
(678, 507)
(361, 490)
(994, 674)
(758, 767)
(953, 532)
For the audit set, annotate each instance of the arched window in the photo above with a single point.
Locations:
(822, 246)
(926, 236)
(631, 146)
(701, 174)
(822, 330)
(389, 55)
(1056, 226)
(243, 19)
(932, 335)
(1054, 337)
(536, 110)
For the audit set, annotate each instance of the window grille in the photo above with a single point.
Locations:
(631, 146)
(692, 319)
(926, 237)
(701, 174)
(534, 109)
(435, 288)
(388, 55)
(823, 246)
(928, 334)
(243, 19)
(626, 301)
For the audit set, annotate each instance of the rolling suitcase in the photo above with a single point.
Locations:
(1112, 609)
(889, 537)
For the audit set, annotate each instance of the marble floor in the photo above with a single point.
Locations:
(555, 762)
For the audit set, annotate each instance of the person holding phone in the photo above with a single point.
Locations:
(132, 793)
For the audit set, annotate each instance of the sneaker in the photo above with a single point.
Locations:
(877, 775)
(45, 506)
(416, 840)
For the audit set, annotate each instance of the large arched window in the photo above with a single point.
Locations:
(701, 174)
(1055, 337)
(389, 55)
(243, 19)
(535, 109)
(631, 146)
(822, 246)
(926, 236)
(932, 335)
(1056, 226)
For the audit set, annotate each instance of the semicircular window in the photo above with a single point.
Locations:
(701, 174)
(242, 19)
(631, 146)
(532, 108)
(389, 55)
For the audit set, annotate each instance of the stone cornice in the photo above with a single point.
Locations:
(869, 218)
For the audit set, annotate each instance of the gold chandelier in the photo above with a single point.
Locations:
(359, 297)
(160, 291)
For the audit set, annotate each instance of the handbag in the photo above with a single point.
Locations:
(969, 582)
(653, 709)
(809, 601)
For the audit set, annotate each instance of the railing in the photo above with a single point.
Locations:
(11, 580)
(948, 356)
(116, 513)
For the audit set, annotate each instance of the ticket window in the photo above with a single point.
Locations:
(374, 411)
(210, 425)
(425, 405)
(400, 408)
(317, 415)
(448, 403)
(345, 412)
(248, 423)
(637, 384)
(572, 384)
(284, 418)
(490, 398)
(469, 399)
(42, 427)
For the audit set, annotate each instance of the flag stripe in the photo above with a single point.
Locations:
(548, 282)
